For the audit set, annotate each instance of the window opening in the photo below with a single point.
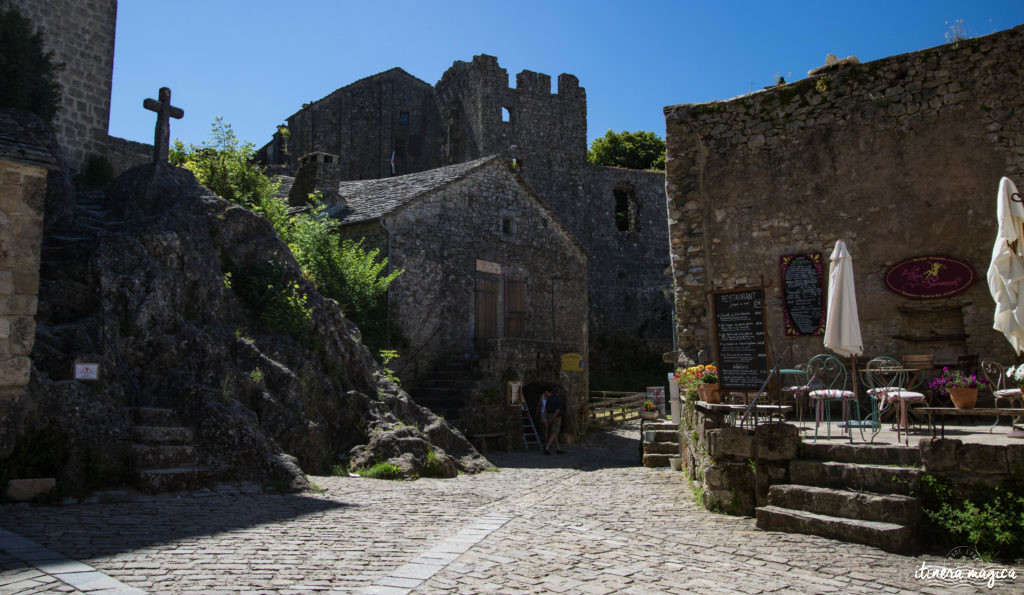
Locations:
(506, 225)
(625, 208)
(403, 118)
(506, 115)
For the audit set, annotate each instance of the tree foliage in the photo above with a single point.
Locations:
(633, 150)
(341, 270)
(27, 71)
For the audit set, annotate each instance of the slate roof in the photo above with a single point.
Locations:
(370, 199)
(22, 138)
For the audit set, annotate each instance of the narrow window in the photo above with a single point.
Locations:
(515, 306)
(625, 208)
(403, 118)
(506, 226)
(506, 115)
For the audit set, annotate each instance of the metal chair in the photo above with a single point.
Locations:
(827, 379)
(798, 391)
(1002, 395)
(887, 377)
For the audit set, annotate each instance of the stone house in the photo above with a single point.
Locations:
(900, 157)
(392, 123)
(25, 161)
(493, 288)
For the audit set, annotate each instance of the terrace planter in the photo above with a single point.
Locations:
(709, 393)
(963, 398)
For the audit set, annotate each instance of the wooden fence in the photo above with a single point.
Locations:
(606, 407)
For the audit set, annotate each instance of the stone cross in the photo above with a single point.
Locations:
(164, 110)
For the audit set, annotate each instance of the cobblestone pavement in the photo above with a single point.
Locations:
(589, 521)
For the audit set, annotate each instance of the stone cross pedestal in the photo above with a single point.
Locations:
(164, 110)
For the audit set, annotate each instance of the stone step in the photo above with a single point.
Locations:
(156, 416)
(172, 479)
(890, 537)
(656, 460)
(887, 508)
(666, 436)
(664, 448)
(662, 426)
(163, 456)
(871, 478)
(869, 454)
(158, 435)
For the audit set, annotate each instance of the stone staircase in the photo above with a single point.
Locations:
(448, 386)
(857, 493)
(656, 452)
(163, 458)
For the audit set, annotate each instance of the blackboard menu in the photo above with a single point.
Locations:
(803, 294)
(740, 340)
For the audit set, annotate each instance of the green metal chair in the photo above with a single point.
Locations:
(828, 378)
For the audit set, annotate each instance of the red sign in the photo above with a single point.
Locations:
(930, 277)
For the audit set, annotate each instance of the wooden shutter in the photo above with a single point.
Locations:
(515, 306)
(486, 306)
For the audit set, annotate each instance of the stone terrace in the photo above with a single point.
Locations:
(590, 521)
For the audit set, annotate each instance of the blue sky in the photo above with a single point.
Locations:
(255, 62)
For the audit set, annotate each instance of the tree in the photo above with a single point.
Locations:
(633, 150)
(28, 72)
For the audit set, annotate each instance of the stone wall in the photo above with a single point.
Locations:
(438, 240)
(80, 33)
(899, 157)
(732, 468)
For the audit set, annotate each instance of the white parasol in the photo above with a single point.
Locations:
(842, 322)
(1006, 271)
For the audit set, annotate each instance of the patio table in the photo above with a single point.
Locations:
(943, 412)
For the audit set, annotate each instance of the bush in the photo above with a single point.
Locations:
(382, 471)
(281, 305)
(27, 70)
(991, 520)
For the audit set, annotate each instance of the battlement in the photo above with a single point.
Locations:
(533, 82)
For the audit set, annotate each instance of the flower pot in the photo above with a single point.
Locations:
(963, 398)
(709, 393)
(676, 462)
(650, 436)
(648, 415)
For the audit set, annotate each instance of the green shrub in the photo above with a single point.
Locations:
(433, 466)
(382, 470)
(97, 173)
(280, 302)
(991, 520)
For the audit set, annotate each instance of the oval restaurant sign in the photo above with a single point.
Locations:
(930, 277)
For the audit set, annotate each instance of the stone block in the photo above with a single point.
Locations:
(1015, 460)
(14, 371)
(7, 282)
(22, 490)
(777, 442)
(982, 458)
(730, 442)
(939, 456)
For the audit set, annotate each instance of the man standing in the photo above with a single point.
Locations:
(554, 422)
(542, 415)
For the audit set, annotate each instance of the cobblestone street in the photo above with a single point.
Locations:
(589, 521)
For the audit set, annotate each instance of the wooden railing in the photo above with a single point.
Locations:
(610, 406)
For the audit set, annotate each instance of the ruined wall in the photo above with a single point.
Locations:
(438, 240)
(900, 157)
(630, 286)
(81, 35)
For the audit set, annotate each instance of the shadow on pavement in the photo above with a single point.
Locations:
(81, 531)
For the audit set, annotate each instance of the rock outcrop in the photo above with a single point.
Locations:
(142, 280)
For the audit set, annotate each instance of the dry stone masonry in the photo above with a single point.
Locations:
(900, 157)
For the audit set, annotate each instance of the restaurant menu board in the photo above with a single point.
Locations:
(739, 336)
(803, 294)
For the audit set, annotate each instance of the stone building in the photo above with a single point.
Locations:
(80, 33)
(899, 157)
(493, 288)
(393, 124)
(25, 160)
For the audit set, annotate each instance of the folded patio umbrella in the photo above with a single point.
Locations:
(1006, 271)
(842, 322)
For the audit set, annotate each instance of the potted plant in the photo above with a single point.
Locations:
(648, 410)
(709, 388)
(1016, 375)
(961, 388)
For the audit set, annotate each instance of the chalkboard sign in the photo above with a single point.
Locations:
(739, 337)
(803, 294)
